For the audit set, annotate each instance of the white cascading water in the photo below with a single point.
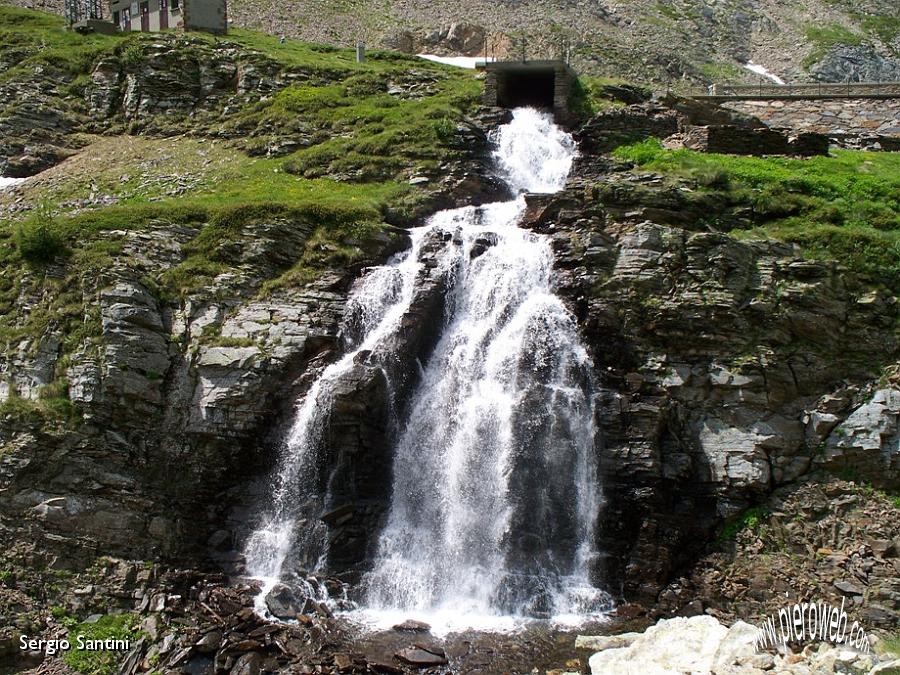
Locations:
(495, 490)
(291, 523)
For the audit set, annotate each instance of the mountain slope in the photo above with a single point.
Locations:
(643, 40)
(678, 43)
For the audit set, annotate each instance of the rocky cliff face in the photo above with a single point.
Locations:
(176, 398)
(720, 361)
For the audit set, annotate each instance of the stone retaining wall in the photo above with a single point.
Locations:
(733, 140)
(853, 116)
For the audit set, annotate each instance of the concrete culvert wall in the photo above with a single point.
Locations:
(539, 84)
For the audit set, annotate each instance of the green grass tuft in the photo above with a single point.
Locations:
(111, 626)
(748, 520)
(824, 38)
(890, 644)
(845, 207)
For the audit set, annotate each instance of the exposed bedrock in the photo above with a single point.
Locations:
(727, 368)
(178, 398)
(368, 402)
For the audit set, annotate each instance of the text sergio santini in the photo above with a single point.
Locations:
(51, 647)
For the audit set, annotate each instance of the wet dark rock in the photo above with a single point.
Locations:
(339, 516)
(482, 244)
(413, 626)
(219, 539)
(283, 602)
(422, 657)
(247, 664)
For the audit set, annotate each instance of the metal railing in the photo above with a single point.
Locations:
(813, 90)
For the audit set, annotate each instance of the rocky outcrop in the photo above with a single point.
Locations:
(35, 125)
(458, 38)
(165, 76)
(174, 397)
(867, 442)
(717, 360)
(850, 63)
(620, 126)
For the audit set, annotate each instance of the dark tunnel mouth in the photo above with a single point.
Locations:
(532, 86)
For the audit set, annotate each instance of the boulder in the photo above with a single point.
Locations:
(284, 603)
(209, 643)
(699, 645)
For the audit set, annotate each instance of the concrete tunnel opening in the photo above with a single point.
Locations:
(518, 87)
(540, 84)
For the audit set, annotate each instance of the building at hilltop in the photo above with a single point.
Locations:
(156, 15)
(147, 15)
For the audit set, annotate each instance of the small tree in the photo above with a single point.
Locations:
(37, 237)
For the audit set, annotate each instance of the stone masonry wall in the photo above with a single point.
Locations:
(852, 116)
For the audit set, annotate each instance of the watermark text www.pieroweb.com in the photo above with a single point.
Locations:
(806, 622)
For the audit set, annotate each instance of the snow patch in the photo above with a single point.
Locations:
(458, 61)
(9, 182)
(762, 70)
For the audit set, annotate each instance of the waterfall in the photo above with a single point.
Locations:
(495, 487)
(291, 522)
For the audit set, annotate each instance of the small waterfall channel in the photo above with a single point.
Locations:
(495, 491)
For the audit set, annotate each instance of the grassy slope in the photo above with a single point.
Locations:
(375, 139)
(845, 207)
(42, 37)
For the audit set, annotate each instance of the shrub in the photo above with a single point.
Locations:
(132, 55)
(37, 237)
(712, 178)
(444, 128)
